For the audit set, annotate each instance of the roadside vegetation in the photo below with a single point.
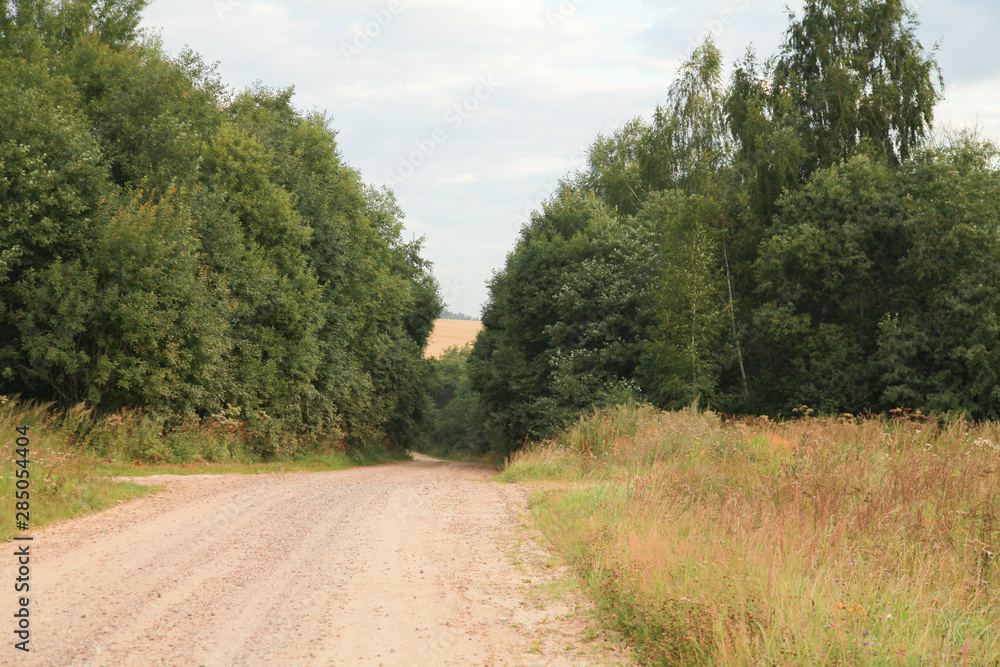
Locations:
(63, 477)
(456, 427)
(75, 454)
(809, 542)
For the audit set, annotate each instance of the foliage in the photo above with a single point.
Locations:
(168, 246)
(822, 273)
(133, 323)
(65, 481)
(688, 343)
(881, 288)
(449, 315)
(458, 426)
(805, 247)
(688, 143)
(939, 346)
(859, 79)
(562, 327)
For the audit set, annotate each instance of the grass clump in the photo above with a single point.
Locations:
(815, 541)
(64, 479)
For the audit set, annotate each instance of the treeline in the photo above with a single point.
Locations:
(789, 240)
(168, 245)
(449, 315)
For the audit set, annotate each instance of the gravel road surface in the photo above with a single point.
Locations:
(411, 563)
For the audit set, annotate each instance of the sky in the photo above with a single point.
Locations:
(471, 111)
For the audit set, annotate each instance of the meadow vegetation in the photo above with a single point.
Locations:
(64, 480)
(842, 540)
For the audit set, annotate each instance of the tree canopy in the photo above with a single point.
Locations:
(170, 245)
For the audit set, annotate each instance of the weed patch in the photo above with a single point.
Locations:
(807, 542)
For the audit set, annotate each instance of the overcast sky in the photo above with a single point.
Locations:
(472, 110)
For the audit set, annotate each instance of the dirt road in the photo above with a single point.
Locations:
(412, 563)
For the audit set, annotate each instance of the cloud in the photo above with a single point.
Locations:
(972, 106)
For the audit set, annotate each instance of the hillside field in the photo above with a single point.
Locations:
(448, 333)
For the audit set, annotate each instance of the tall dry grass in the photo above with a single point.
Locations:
(807, 542)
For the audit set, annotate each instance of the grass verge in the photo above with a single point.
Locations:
(73, 457)
(867, 542)
(63, 480)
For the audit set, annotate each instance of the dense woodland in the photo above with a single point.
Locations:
(793, 239)
(169, 245)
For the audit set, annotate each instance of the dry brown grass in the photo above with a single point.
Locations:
(806, 542)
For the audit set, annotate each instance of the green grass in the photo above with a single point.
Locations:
(64, 481)
(810, 542)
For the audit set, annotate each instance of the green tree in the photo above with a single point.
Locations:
(565, 321)
(51, 185)
(688, 143)
(275, 313)
(859, 79)
(134, 323)
(939, 343)
(458, 424)
(378, 300)
(167, 245)
(153, 116)
(689, 344)
(614, 170)
(825, 275)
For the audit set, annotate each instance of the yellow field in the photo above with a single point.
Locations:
(448, 333)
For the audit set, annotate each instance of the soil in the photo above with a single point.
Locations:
(411, 563)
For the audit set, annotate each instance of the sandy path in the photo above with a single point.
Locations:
(401, 564)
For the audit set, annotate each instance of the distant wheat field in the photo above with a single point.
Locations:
(448, 333)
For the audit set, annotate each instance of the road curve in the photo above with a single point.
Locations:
(398, 564)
